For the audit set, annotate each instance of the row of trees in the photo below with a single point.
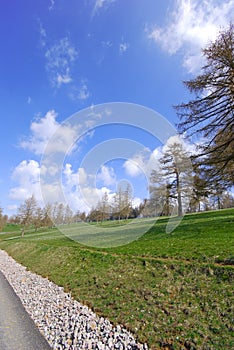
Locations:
(176, 187)
(163, 201)
(31, 214)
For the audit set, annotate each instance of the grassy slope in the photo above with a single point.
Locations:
(170, 290)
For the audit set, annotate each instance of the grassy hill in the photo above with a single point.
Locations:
(173, 291)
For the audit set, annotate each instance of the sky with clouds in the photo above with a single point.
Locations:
(59, 57)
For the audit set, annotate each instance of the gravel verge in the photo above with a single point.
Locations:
(64, 322)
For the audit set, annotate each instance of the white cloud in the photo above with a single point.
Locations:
(106, 175)
(29, 100)
(12, 207)
(60, 58)
(145, 162)
(27, 175)
(136, 202)
(187, 146)
(191, 26)
(43, 34)
(83, 92)
(75, 179)
(107, 44)
(142, 163)
(52, 3)
(42, 131)
(80, 93)
(79, 188)
(123, 47)
(63, 78)
(132, 168)
(101, 4)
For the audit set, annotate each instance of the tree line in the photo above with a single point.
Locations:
(176, 187)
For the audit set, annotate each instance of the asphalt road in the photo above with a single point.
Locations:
(17, 330)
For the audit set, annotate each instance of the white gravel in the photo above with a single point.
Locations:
(64, 322)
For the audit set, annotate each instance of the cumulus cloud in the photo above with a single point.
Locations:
(49, 138)
(191, 25)
(142, 163)
(75, 179)
(42, 131)
(60, 57)
(80, 190)
(132, 168)
(188, 147)
(106, 175)
(147, 161)
(27, 175)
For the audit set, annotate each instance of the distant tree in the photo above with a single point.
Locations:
(15, 219)
(26, 213)
(79, 216)
(122, 203)
(160, 202)
(47, 216)
(104, 207)
(83, 216)
(68, 215)
(95, 215)
(3, 219)
(127, 202)
(173, 179)
(211, 112)
(59, 213)
(227, 200)
(37, 219)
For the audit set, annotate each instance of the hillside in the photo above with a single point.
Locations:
(172, 291)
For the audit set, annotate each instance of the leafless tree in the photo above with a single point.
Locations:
(26, 213)
(174, 175)
(210, 113)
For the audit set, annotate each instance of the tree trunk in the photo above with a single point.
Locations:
(179, 200)
(22, 231)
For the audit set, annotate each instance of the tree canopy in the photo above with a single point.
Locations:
(173, 179)
(211, 112)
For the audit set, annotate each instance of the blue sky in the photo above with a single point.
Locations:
(59, 57)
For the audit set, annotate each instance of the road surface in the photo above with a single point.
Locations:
(17, 330)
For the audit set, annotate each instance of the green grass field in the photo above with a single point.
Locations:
(173, 291)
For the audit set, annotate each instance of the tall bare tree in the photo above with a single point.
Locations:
(47, 216)
(122, 202)
(104, 207)
(26, 213)
(175, 175)
(211, 112)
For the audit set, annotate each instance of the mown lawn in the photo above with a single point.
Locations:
(172, 291)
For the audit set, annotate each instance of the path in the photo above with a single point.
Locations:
(17, 330)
